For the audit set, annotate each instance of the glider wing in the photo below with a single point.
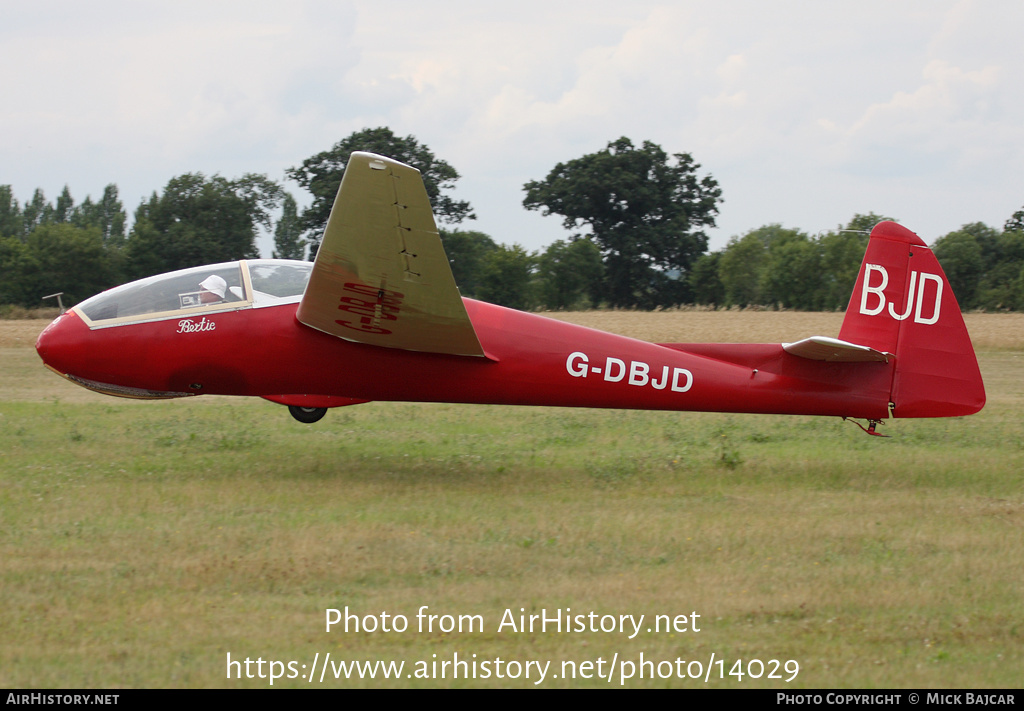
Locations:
(381, 276)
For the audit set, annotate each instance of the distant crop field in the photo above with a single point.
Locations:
(154, 544)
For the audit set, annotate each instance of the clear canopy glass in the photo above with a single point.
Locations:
(216, 287)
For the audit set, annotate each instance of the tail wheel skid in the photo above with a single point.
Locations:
(870, 429)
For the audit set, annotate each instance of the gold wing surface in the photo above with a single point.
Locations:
(381, 276)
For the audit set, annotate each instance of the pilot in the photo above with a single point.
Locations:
(212, 289)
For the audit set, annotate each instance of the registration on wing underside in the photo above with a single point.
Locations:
(381, 276)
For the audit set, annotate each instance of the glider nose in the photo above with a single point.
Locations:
(54, 343)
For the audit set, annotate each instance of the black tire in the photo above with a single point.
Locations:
(307, 415)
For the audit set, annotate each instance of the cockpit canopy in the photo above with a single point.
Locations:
(252, 283)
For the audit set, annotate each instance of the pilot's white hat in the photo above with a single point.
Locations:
(214, 284)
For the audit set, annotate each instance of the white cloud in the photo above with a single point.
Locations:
(805, 112)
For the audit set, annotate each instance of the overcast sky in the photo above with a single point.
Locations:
(805, 112)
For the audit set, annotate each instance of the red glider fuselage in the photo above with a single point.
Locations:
(532, 360)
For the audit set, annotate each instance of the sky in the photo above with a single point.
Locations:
(806, 113)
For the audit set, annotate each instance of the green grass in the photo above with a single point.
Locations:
(142, 542)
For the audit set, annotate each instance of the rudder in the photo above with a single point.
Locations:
(902, 304)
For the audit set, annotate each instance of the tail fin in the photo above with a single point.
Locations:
(902, 304)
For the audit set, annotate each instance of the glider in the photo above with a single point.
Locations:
(377, 316)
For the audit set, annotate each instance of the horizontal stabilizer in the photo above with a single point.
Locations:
(834, 351)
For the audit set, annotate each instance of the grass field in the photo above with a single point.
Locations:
(141, 543)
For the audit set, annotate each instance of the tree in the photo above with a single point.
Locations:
(110, 217)
(321, 175)
(260, 195)
(1002, 287)
(48, 248)
(288, 242)
(570, 274)
(107, 215)
(792, 272)
(705, 284)
(37, 212)
(65, 205)
(200, 220)
(960, 256)
(1015, 223)
(69, 259)
(740, 269)
(753, 268)
(467, 253)
(644, 210)
(16, 269)
(1002, 261)
(10, 213)
(505, 278)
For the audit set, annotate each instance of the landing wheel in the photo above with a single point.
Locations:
(307, 415)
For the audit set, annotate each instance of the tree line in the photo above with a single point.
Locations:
(83, 249)
(636, 218)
